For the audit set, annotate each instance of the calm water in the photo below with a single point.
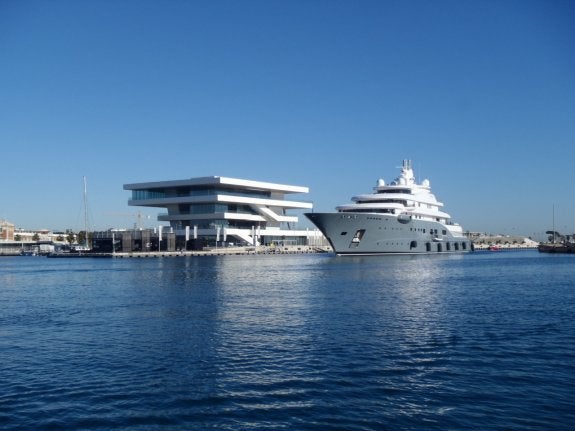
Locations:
(298, 342)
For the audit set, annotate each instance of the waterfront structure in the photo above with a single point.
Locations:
(25, 242)
(483, 241)
(6, 231)
(400, 217)
(228, 211)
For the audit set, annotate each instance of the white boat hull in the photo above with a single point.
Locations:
(372, 233)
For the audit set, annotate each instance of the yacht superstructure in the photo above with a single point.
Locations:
(400, 217)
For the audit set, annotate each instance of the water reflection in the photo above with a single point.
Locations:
(261, 326)
(384, 317)
(236, 322)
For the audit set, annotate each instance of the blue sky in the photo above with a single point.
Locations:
(327, 94)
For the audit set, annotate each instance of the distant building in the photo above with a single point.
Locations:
(19, 241)
(6, 231)
(227, 210)
(26, 235)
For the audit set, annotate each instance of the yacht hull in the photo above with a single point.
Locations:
(372, 233)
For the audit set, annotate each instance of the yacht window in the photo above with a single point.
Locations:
(344, 233)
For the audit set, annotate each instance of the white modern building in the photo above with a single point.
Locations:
(228, 210)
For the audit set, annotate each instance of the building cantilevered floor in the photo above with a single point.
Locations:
(229, 211)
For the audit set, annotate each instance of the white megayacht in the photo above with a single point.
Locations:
(400, 217)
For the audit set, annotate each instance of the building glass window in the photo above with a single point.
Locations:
(148, 194)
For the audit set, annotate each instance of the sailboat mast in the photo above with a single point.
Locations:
(554, 224)
(85, 213)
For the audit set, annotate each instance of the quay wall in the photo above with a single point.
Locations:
(226, 251)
